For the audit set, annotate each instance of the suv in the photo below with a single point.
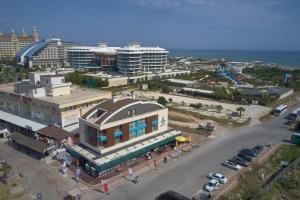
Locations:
(240, 161)
(232, 165)
(245, 156)
(219, 177)
(249, 152)
(212, 185)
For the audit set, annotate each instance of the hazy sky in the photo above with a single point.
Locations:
(196, 24)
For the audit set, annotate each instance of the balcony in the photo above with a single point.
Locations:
(102, 138)
(118, 134)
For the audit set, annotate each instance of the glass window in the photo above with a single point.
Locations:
(132, 125)
(154, 127)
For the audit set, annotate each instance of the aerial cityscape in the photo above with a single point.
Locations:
(149, 100)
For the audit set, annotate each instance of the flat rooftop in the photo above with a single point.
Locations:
(77, 94)
(180, 81)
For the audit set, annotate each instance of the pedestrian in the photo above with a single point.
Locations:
(130, 173)
(136, 180)
(209, 195)
(165, 159)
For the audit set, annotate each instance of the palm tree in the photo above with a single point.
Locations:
(219, 108)
(240, 109)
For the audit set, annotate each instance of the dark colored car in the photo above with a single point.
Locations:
(171, 195)
(245, 156)
(249, 152)
(258, 148)
(240, 161)
(292, 117)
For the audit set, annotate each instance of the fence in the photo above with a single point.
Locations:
(267, 186)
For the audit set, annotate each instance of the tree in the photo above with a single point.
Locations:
(5, 169)
(162, 100)
(240, 109)
(219, 108)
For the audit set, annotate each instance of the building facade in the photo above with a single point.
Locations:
(45, 53)
(119, 130)
(48, 99)
(10, 44)
(135, 60)
(100, 57)
(131, 60)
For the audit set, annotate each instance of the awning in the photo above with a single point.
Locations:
(20, 121)
(30, 143)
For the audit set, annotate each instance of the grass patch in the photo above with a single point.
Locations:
(239, 124)
(265, 118)
(179, 118)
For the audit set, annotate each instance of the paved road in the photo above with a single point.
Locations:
(188, 174)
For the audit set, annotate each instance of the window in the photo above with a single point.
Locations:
(129, 113)
(132, 125)
(154, 127)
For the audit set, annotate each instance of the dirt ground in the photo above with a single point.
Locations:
(189, 123)
(254, 111)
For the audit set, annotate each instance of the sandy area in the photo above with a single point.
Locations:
(254, 111)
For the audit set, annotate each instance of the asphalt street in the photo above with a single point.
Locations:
(187, 174)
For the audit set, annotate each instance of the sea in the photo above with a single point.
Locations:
(287, 59)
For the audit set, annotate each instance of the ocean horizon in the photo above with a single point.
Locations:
(288, 59)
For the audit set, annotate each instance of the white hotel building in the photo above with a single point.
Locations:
(130, 60)
(135, 60)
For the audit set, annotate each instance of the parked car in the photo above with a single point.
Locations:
(171, 195)
(245, 156)
(207, 127)
(249, 152)
(212, 185)
(232, 165)
(218, 176)
(258, 148)
(234, 114)
(240, 161)
(291, 118)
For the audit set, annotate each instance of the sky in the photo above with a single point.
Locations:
(173, 24)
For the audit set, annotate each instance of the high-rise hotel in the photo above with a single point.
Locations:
(10, 44)
(130, 60)
(135, 60)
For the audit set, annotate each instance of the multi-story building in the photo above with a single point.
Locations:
(48, 99)
(100, 57)
(135, 60)
(131, 60)
(45, 53)
(117, 131)
(10, 44)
